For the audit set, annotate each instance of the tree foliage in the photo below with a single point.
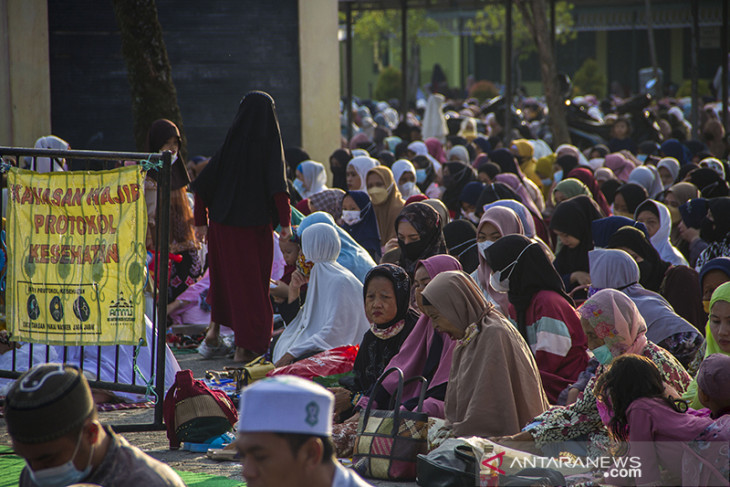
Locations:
(488, 26)
(589, 79)
(388, 85)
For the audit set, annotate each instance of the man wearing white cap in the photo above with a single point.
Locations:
(284, 436)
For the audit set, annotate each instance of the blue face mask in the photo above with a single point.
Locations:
(299, 186)
(420, 175)
(642, 157)
(603, 354)
(62, 475)
(547, 182)
(558, 176)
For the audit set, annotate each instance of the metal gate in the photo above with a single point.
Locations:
(162, 163)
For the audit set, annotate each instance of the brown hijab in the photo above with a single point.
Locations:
(494, 384)
(388, 211)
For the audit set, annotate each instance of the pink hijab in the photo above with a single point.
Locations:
(615, 318)
(411, 358)
(620, 165)
(436, 149)
(508, 223)
(518, 187)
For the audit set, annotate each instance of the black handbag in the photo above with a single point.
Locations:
(450, 465)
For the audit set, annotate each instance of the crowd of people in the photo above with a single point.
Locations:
(558, 296)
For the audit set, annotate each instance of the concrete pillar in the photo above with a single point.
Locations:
(25, 84)
(319, 63)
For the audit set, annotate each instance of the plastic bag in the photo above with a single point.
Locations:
(330, 362)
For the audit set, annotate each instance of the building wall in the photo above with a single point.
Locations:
(217, 55)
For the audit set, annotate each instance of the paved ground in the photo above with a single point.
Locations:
(156, 444)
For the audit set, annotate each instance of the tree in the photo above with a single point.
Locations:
(382, 28)
(589, 79)
(148, 68)
(531, 33)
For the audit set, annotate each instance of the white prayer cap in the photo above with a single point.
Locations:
(286, 404)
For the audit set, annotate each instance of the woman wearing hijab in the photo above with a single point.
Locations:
(358, 219)
(674, 148)
(496, 192)
(436, 149)
(713, 274)
(357, 171)
(486, 342)
(616, 269)
(614, 327)
(164, 135)
(568, 188)
(293, 156)
(434, 121)
(604, 228)
(715, 230)
(710, 183)
(386, 199)
(628, 197)
(508, 164)
(524, 151)
(571, 222)
(461, 241)
(655, 216)
(585, 176)
(542, 310)
(405, 175)
(668, 169)
(648, 178)
(518, 187)
(420, 235)
(620, 165)
(352, 256)
(329, 201)
(332, 315)
(459, 153)
(247, 172)
(563, 165)
(603, 174)
(693, 213)
(468, 199)
(677, 195)
(338, 165)
(717, 333)
(456, 175)
(311, 179)
(418, 148)
(679, 285)
(426, 178)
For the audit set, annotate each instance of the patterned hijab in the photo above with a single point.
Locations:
(614, 317)
(428, 225)
(401, 287)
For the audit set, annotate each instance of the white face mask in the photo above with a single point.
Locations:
(499, 285)
(351, 217)
(472, 218)
(407, 188)
(483, 246)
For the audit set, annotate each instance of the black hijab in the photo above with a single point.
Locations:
(633, 194)
(505, 160)
(567, 162)
(375, 353)
(717, 229)
(460, 175)
(494, 192)
(533, 272)
(461, 240)
(609, 188)
(160, 132)
(339, 177)
(709, 182)
(653, 268)
(428, 224)
(239, 183)
(574, 217)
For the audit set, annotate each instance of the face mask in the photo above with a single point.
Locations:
(558, 176)
(407, 188)
(547, 182)
(351, 217)
(413, 250)
(483, 246)
(706, 306)
(674, 213)
(62, 475)
(378, 195)
(642, 157)
(472, 217)
(299, 186)
(420, 176)
(603, 354)
(497, 283)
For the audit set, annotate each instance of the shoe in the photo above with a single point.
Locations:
(220, 350)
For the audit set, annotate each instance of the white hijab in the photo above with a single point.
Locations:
(400, 167)
(43, 164)
(660, 240)
(362, 164)
(315, 178)
(434, 121)
(333, 314)
(420, 149)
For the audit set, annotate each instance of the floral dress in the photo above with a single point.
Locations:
(581, 419)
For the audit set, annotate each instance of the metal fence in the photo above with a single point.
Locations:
(161, 273)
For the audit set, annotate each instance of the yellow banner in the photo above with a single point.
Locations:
(76, 256)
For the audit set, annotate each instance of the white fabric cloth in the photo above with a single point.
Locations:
(22, 356)
(434, 121)
(660, 240)
(126, 358)
(362, 164)
(420, 149)
(315, 178)
(344, 477)
(400, 167)
(333, 314)
(672, 165)
(286, 404)
(43, 164)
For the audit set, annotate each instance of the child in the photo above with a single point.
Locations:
(279, 292)
(713, 384)
(646, 412)
(621, 137)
